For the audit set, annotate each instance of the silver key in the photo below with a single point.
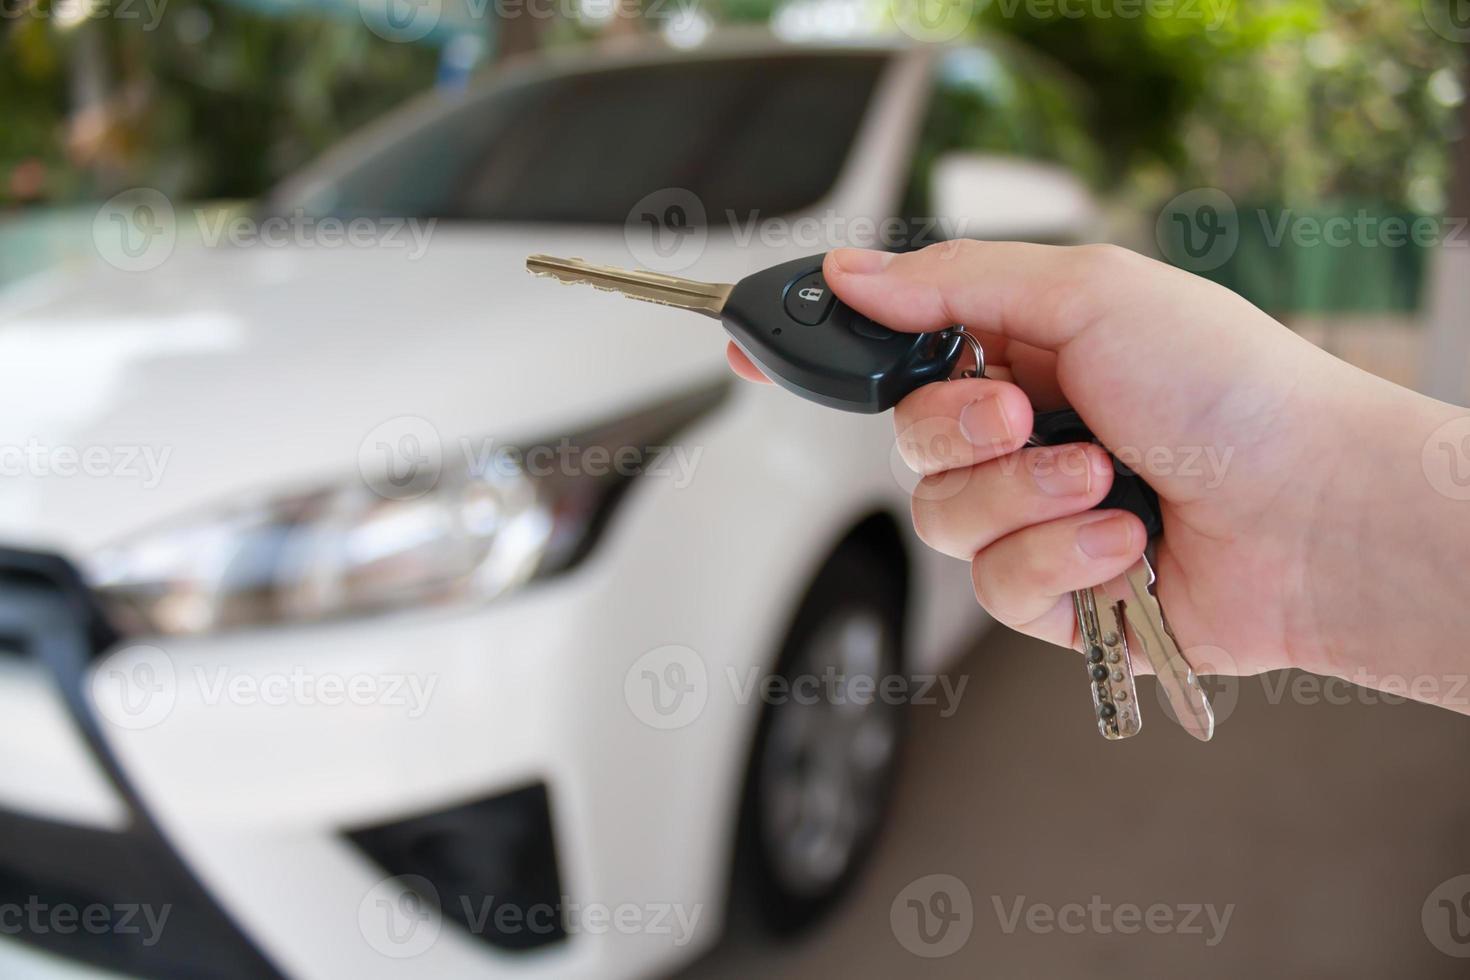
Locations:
(1175, 675)
(1105, 645)
(707, 298)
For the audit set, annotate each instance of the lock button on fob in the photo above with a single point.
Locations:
(808, 300)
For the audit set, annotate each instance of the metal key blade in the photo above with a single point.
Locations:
(1105, 645)
(1175, 675)
(651, 287)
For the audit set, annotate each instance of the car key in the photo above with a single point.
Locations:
(1104, 641)
(791, 325)
(794, 329)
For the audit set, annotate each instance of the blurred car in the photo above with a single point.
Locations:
(346, 659)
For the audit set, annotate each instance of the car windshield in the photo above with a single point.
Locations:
(744, 135)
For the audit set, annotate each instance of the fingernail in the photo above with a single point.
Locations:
(983, 422)
(1108, 538)
(861, 261)
(1064, 473)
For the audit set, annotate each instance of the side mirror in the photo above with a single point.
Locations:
(979, 195)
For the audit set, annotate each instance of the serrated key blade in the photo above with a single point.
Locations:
(707, 298)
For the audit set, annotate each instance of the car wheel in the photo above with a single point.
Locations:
(827, 745)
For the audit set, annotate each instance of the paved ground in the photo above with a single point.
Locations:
(1324, 827)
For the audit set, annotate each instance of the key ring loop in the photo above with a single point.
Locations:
(979, 369)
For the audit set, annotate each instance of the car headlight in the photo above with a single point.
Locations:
(477, 528)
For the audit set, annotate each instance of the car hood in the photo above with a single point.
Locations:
(133, 397)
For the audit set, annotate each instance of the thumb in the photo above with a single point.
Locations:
(1041, 295)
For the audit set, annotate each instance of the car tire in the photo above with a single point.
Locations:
(825, 752)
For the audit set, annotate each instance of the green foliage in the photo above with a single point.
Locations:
(1302, 99)
(216, 100)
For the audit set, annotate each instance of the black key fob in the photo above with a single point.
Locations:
(1128, 492)
(789, 323)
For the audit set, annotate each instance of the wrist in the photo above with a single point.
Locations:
(1390, 554)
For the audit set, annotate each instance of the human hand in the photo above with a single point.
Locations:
(1289, 481)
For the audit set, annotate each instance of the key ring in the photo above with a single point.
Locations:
(978, 371)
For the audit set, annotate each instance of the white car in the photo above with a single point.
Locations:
(370, 608)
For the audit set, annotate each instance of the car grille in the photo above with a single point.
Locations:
(121, 900)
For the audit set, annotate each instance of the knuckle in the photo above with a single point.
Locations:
(922, 512)
(1103, 262)
(988, 579)
(962, 249)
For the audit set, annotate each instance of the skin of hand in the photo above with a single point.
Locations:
(1300, 526)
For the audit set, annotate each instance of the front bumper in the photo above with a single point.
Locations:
(297, 835)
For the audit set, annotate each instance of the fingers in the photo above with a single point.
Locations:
(743, 366)
(960, 423)
(962, 512)
(1025, 579)
(1040, 295)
